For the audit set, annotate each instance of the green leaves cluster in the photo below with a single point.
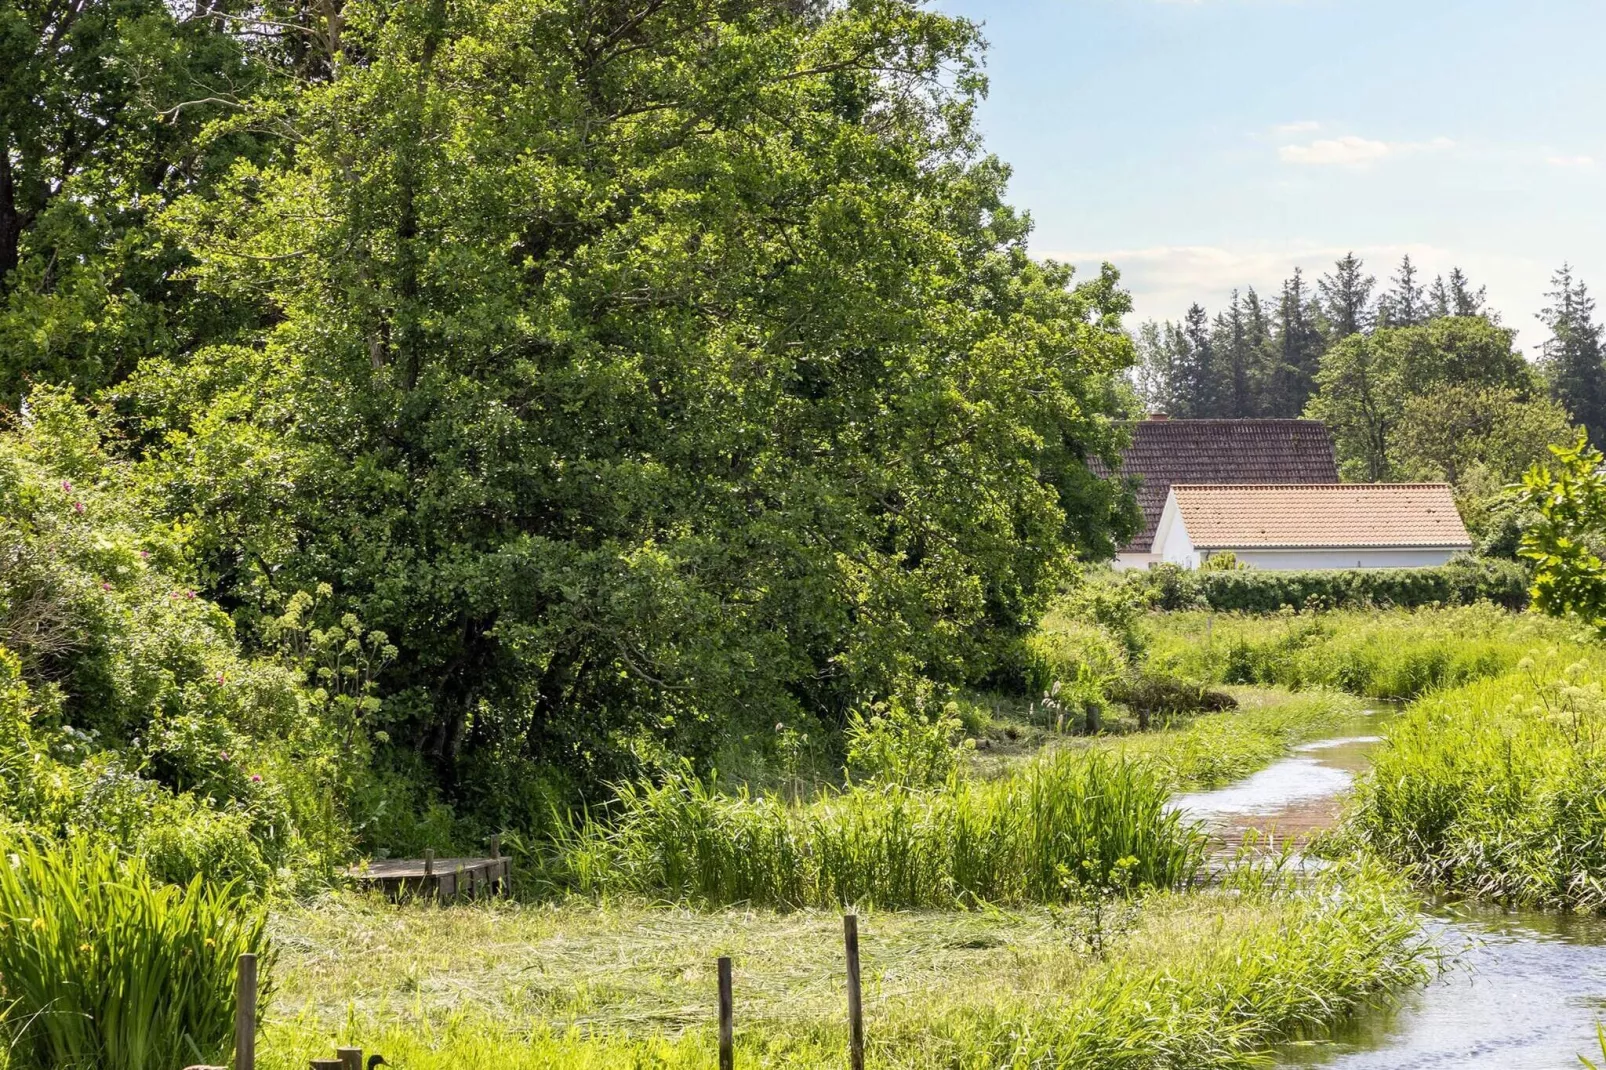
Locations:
(641, 371)
(1567, 540)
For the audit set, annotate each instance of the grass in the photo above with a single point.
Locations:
(104, 968)
(1214, 749)
(1198, 980)
(1396, 654)
(1017, 838)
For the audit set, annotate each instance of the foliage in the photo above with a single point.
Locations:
(103, 965)
(1564, 540)
(912, 741)
(126, 708)
(1463, 581)
(1492, 789)
(102, 103)
(1366, 381)
(1396, 654)
(642, 392)
(1573, 361)
(1009, 840)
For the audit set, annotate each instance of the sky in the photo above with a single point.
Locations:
(1202, 145)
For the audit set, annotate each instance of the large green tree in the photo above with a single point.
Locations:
(645, 370)
(101, 102)
(1366, 381)
(1573, 360)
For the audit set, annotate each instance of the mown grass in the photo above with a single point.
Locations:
(1023, 837)
(1198, 980)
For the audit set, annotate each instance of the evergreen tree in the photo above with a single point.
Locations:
(1465, 301)
(1197, 363)
(1406, 304)
(1234, 361)
(1262, 351)
(1572, 355)
(1346, 297)
(1299, 348)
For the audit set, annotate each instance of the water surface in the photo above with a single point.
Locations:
(1526, 989)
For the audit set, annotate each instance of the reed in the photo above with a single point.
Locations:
(104, 968)
(1024, 837)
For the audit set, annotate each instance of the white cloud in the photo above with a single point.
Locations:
(1580, 163)
(1353, 151)
(1304, 126)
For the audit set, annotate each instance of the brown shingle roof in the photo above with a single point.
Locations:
(1164, 452)
(1226, 516)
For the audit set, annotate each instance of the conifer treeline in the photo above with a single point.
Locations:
(1261, 358)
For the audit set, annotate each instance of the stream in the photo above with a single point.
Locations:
(1526, 989)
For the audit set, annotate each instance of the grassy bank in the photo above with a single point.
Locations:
(1397, 654)
(1186, 980)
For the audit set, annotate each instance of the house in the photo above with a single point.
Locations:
(1311, 526)
(1165, 451)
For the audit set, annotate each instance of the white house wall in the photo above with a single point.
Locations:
(1284, 560)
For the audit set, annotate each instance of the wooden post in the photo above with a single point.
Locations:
(850, 937)
(245, 1013)
(327, 1064)
(496, 846)
(429, 886)
(727, 1052)
(350, 1058)
(429, 863)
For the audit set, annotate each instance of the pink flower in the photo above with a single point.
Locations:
(77, 507)
(66, 487)
(224, 754)
(144, 555)
(256, 779)
(189, 594)
(221, 677)
(105, 586)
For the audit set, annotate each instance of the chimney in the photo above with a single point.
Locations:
(1158, 417)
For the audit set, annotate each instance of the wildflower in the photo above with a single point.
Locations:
(222, 677)
(224, 755)
(256, 778)
(189, 594)
(84, 948)
(211, 942)
(144, 555)
(77, 507)
(66, 486)
(39, 925)
(105, 586)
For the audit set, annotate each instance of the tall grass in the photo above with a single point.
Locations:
(1023, 837)
(104, 968)
(1498, 788)
(1396, 654)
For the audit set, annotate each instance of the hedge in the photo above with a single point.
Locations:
(1462, 581)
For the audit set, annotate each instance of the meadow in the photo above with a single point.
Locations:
(1176, 979)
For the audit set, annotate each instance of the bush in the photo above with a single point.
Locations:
(103, 966)
(1463, 581)
(913, 742)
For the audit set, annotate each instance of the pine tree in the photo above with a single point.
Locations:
(1263, 357)
(1197, 361)
(1299, 348)
(1406, 304)
(1465, 301)
(1346, 297)
(1234, 361)
(1572, 357)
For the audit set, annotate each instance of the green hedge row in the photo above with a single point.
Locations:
(1461, 582)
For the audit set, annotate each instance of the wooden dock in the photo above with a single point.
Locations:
(437, 878)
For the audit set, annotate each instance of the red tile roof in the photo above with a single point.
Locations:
(1233, 516)
(1164, 452)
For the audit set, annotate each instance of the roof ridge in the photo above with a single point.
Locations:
(1311, 486)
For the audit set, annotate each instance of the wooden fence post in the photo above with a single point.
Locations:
(850, 937)
(350, 1058)
(727, 1050)
(245, 1013)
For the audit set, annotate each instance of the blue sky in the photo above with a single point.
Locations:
(1216, 143)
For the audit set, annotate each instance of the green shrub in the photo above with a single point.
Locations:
(103, 967)
(1463, 581)
(910, 741)
(1015, 839)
